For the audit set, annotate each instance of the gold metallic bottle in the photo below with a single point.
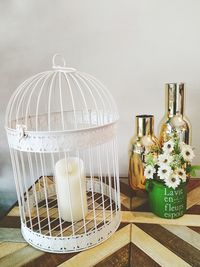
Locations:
(139, 145)
(174, 119)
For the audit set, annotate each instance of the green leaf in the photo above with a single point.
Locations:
(192, 169)
(150, 159)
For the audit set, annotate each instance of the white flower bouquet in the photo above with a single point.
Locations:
(171, 163)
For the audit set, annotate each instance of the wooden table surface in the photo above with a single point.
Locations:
(142, 240)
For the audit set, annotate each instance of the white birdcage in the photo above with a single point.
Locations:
(61, 128)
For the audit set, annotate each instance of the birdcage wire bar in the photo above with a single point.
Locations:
(64, 115)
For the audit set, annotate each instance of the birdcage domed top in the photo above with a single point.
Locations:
(62, 100)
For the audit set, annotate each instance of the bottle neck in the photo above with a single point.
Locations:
(144, 125)
(174, 99)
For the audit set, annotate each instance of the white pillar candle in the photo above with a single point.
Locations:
(71, 189)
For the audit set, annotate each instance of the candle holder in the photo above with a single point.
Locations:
(61, 129)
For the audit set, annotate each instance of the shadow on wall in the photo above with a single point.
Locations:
(7, 187)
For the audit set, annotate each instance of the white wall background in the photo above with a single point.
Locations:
(133, 47)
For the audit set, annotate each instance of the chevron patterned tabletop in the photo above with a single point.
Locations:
(142, 240)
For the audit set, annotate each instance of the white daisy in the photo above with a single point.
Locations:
(187, 153)
(181, 174)
(164, 171)
(164, 159)
(168, 147)
(173, 181)
(149, 172)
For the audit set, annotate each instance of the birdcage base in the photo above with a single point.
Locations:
(70, 244)
(67, 237)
